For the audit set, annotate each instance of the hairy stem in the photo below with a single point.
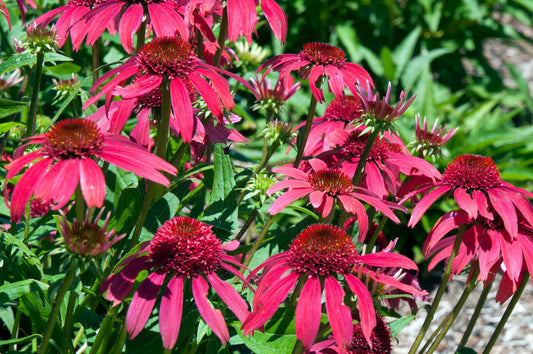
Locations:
(32, 116)
(302, 138)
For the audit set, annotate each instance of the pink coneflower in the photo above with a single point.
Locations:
(324, 186)
(83, 237)
(172, 59)
(70, 21)
(387, 159)
(318, 61)
(182, 250)
(485, 242)
(68, 156)
(479, 190)
(162, 16)
(5, 13)
(23, 10)
(319, 256)
(340, 113)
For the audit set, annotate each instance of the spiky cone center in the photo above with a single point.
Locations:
(187, 247)
(345, 109)
(41, 39)
(472, 172)
(380, 339)
(86, 238)
(85, 3)
(322, 54)
(321, 250)
(170, 57)
(39, 208)
(73, 138)
(331, 181)
(355, 145)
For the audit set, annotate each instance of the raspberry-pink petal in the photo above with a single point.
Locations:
(506, 186)
(291, 172)
(18, 164)
(25, 187)
(443, 254)
(129, 24)
(505, 208)
(335, 80)
(182, 108)
(385, 259)
(408, 162)
(170, 312)
(273, 276)
(507, 288)
(467, 250)
(127, 70)
(141, 86)
(228, 73)
(220, 85)
(488, 251)
(445, 224)
(119, 285)
(318, 164)
(235, 19)
(374, 180)
(230, 296)
(142, 303)
(277, 19)
(121, 115)
(466, 202)
(379, 205)
(358, 74)
(523, 205)
(99, 18)
(287, 198)
(527, 250)
(317, 72)
(339, 315)
(288, 183)
(364, 305)
(308, 310)
(352, 205)
(326, 206)
(236, 272)
(388, 280)
(425, 203)
(482, 204)
(512, 255)
(317, 198)
(212, 317)
(209, 95)
(92, 183)
(166, 22)
(60, 182)
(274, 296)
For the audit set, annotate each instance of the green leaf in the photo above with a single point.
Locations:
(13, 291)
(279, 336)
(413, 69)
(28, 59)
(129, 205)
(29, 255)
(63, 69)
(221, 211)
(8, 107)
(389, 69)
(5, 127)
(403, 53)
(397, 325)
(20, 340)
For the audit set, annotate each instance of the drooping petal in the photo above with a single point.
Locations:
(212, 317)
(277, 19)
(385, 259)
(466, 202)
(230, 296)
(505, 208)
(287, 198)
(170, 312)
(512, 256)
(119, 285)
(308, 310)
(339, 315)
(425, 203)
(92, 183)
(182, 108)
(130, 22)
(60, 182)
(364, 305)
(142, 303)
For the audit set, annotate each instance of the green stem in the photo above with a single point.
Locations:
(375, 235)
(450, 319)
(222, 34)
(141, 35)
(66, 344)
(247, 224)
(358, 176)
(56, 306)
(305, 134)
(147, 201)
(104, 331)
(95, 51)
(32, 116)
(475, 315)
(15, 328)
(79, 204)
(507, 314)
(268, 223)
(267, 154)
(123, 334)
(164, 120)
(440, 290)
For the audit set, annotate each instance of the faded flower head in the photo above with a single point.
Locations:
(279, 133)
(65, 87)
(86, 237)
(40, 39)
(429, 143)
(7, 81)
